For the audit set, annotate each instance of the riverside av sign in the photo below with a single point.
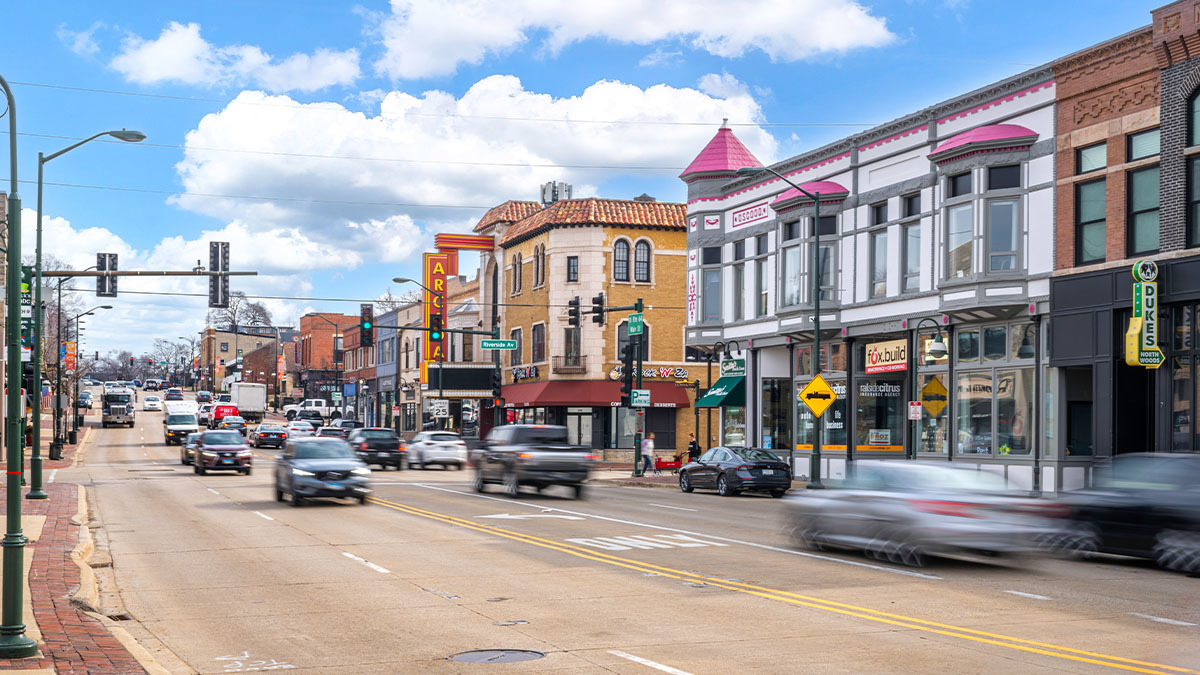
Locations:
(1141, 339)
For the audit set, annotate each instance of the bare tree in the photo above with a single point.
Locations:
(388, 302)
(241, 311)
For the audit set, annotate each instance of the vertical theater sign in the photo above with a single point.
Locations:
(1141, 339)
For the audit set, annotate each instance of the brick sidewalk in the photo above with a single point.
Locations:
(72, 641)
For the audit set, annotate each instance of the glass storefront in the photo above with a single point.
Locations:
(994, 389)
(733, 426)
(833, 422)
(776, 413)
(933, 430)
(879, 417)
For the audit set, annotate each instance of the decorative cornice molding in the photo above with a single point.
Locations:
(1142, 37)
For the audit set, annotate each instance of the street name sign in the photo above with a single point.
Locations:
(640, 398)
(498, 344)
(636, 324)
(818, 395)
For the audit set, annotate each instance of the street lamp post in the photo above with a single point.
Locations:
(14, 644)
(191, 343)
(59, 427)
(35, 460)
(441, 348)
(937, 350)
(815, 459)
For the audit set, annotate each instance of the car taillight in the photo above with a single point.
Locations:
(591, 456)
(362, 446)
(400, 448)
(945, 508)
(746, 467)
(524, 455)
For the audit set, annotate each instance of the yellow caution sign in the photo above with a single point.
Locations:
(934, 397)
(818, 395)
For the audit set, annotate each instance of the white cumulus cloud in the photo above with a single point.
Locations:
(424, 38)
(180, 54)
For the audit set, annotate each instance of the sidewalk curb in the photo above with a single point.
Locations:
(633, 483)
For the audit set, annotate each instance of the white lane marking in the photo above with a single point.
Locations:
(766, 547)
(263, 515)
(53, 474)
(213, 491)
(643, 541)
(677, 508)
(648, 663)
(1032, 596)
(1159, 619)
(377, 568)
(510, 516)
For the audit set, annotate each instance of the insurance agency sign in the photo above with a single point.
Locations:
(1141, 339)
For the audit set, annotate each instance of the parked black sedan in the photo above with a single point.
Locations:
(1145, 505)
(730, 470)
(378, 445)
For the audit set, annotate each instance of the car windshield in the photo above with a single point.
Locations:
(377, 433)
(232, 419)
(1144, 473)
(270, 427)
(926, 477)
(117, 398)
(305, 426)
(223, 438)
(755, 455)
(181, 419)
(151, 398)
(322, 450)
(541, 435)
(443, 437)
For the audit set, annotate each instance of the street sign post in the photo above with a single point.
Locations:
(818, 395)
(914, 411)
(636, 324)
(640, 398)
(498, 344)
(440, 407)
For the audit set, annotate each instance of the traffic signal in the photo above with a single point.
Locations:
(598, 309)
(149, 362)
(627, 365)
(496, 382)
(106, 287)
(131, 361)
(218, 284)
(366, 321)
(435, 328)
(573, 312)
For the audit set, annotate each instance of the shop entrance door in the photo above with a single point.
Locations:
(579, 426)
(1134, 404)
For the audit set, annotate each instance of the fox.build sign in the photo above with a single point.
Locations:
(1141, 339)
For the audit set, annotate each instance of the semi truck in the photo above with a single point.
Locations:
(117, 406)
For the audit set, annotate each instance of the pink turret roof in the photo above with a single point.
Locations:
(986, 137)
(723, 154)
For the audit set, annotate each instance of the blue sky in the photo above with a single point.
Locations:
(366, 127)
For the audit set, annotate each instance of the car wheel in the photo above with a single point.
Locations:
(362, 499)
(291, 415)
(297, 501)
(478, 482)
(723, 487)
(580, 491)
(778, 493)
(1074, 539)
(1178, 550)
(247, 470)
(808, 533)
(512, 486)
(201, 470)
(898, 547)
(183, 458)
(685, 483)
(278, 494)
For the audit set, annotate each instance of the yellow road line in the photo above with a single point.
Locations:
(1021, 644)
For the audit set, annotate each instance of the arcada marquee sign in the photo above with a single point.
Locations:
(1141, 339)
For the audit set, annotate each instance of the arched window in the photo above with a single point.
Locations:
(1194, 119)
(641, 261)
(621, 260)
(542, 264)
(516, 273)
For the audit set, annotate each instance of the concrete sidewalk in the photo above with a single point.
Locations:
(59, 581)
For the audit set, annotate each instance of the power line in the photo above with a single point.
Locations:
(339, 108)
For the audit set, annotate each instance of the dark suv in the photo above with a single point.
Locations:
(222, 450)
(378, 445)
(311, 416)
(320, 467)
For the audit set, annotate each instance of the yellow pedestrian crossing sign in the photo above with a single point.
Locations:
(818, 395)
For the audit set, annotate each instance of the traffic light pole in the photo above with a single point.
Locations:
(641, 430)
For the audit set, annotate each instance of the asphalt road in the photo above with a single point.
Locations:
(630, 580)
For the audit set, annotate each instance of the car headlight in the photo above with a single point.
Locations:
(244, 453)
(361, 471)
(302, 472)
(208, 454)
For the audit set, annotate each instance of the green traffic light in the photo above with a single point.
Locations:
(367, 325)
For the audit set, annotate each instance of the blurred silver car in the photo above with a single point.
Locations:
(906, 511)
(299, 428)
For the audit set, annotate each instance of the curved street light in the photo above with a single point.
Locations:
(35, 460)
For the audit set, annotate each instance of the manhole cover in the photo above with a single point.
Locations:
(496, 656)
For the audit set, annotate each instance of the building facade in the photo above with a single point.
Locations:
(559, 374)
(221, 350)
(320, 354)
(937, 228)
(1128, 173)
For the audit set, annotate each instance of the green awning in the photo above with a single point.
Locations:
(729, 391)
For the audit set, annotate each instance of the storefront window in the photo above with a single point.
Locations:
(1049, 411)
(974, 413)
(1182, 320)
(626, 426)
(1022, 340)
(995, 343)
(968, 346)
(878, 422)
(733, 426)
(1014, 411)
(833, 429)
(932, 430)
(1181, 403)
(776, 409)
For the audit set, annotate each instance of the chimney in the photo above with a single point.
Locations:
(645, 198)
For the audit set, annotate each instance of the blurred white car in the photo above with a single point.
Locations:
(299, 429)
(152, 403)
(437, 447)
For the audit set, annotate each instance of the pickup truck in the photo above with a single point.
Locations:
(322, 406)
(537, 455)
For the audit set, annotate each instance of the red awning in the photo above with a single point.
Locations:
(603, 393)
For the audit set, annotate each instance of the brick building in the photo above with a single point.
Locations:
(544, 257)
(1128, 193)
(358, 385)
(320, 356)
(221, 349)
(262, 366)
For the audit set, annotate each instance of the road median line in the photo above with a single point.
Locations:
(996, 639)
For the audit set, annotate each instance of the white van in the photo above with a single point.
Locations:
(180, 420)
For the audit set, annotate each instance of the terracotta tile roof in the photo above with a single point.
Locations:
(724, 153)
(595, 211)
(509, 212)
